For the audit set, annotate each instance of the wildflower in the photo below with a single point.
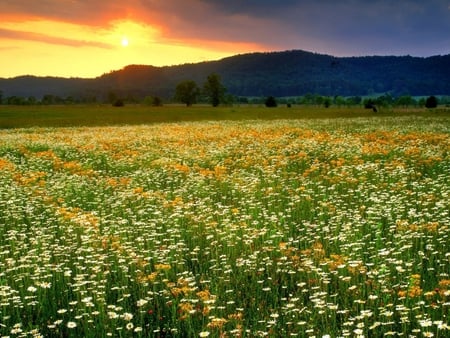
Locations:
(129, 326)
(71, 325)
(45, 285)
(425, 323)
(17, 328)
(204, 334)
(141, 302)
(217, 323)
(127, 316)
(112, 315)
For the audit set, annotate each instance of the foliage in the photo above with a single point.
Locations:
(187, 92)
(282, 74)
(152, 101)
(118, 103)
(309, 227)
(214, 90)
(270, 102)
(431, 102)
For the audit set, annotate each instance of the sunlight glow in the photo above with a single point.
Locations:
(53, 43)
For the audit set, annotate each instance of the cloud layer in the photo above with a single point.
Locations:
(345, 27)
(82, 37)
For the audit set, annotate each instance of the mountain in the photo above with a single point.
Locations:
(288, 73)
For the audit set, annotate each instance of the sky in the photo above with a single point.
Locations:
(86, 38)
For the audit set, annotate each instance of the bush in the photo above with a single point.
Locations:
(431, 102)
(271, 102)
(118, 103)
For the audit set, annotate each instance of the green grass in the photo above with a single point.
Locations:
(103, 115)
(295, 227)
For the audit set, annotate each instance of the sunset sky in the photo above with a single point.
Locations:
(86, 38)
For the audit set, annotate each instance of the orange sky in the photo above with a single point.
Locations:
(57, 43)
(83, 38)
(47, 47)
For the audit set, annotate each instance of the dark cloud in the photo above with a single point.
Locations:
(351, 26)
(345, 27)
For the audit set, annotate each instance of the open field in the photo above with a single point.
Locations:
(105, 115)
(240, 228)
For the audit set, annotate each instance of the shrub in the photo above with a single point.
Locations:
(118, 103)
(271, 102)
(431, 102)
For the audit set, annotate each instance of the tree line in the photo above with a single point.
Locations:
(214, 92)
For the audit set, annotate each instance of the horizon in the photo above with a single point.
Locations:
(198, 62)
(84, 39)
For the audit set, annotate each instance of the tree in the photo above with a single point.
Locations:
(271, 102)
(214, 90)
(187, 92)
(157, 101)
(48, 99)
(154, 101)
(431, 102)
(118, 103)
(405, 101)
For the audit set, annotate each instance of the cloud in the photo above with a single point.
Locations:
(31, 36)
(339, 27)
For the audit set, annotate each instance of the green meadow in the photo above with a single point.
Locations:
(105, 115)
(230, 222)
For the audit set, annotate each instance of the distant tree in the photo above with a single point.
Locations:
(354, 100)
(405, 101)
(370, 104)
(386, 100)
(214, 90)
(152, 101)
(48, 99)
(326, 102)
(306, 99)
(318, 99)
(271, 102)
(444, 100)
(339, 101)
(431, 102)
(187, 92)
(31, 100)
(157, 102)
(69, 100)
(242, 100)
(1, 97)
(15, 100)
(148, 100)
(118, 103)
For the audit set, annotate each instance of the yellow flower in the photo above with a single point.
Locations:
(162, 266)
(204, 295)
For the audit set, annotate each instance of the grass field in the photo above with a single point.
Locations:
(105, 115)
(292, 227)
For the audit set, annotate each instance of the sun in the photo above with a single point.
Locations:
(125, 41)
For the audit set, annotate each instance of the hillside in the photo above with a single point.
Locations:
(288, 73)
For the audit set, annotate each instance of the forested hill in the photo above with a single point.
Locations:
(288, 73)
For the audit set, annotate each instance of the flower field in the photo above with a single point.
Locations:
(286, 228)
